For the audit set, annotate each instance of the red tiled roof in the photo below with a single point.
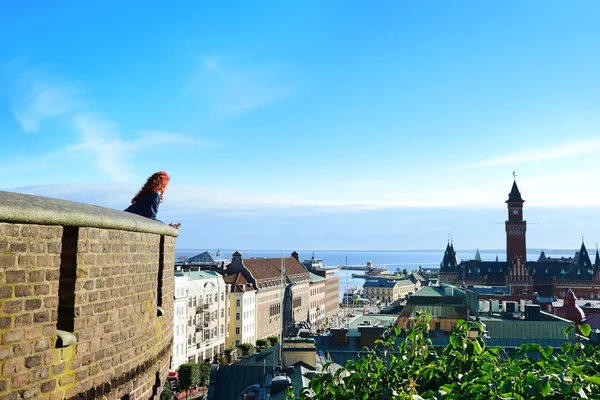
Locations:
(238, 282)
(269, 268)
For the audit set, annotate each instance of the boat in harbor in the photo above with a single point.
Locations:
(371, 272)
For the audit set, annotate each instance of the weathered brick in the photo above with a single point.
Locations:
(3, 385)
(30, 231)
(5, 292)
(13, 307)
(18, 247)
(36, 276)
(9, 368)
(20, 381)
(23, 291)
(26, 260)
(48, 386)
(40, 290)
(33, 332)
(41, 316)
(4, 353)
(51, 302)
(41, 345)
(8, 261)
(12, 336)
(32, 361)
(33, 304)
(14, 276)
(30, 393)
(41, 373)
(22, 349)
(22, 320)
(53, 274)
(59, 368)
(45, 261)
(50, 232)
(54, 248)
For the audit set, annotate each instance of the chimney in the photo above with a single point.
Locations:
(370, 334)
(339, 336)
(298, 349)
(296, 255)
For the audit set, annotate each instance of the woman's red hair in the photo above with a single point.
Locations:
(156, 183)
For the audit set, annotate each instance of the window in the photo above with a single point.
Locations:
(237, 316)
(237, 330)
(237, 343)
(237, 303)
(438, 326)
(222, 313)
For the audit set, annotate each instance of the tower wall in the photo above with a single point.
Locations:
(86, 295)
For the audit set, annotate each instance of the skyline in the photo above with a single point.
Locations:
(335, 125)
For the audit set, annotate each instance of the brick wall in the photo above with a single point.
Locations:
(103, 288)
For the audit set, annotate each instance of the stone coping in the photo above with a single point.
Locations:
(27, 209)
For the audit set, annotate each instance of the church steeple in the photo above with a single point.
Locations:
(515, 196)
(597, 261)
(477, 256)
(584, 257)
(449, 260)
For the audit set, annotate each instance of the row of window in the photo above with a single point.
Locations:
(247, 302)
(247, 328)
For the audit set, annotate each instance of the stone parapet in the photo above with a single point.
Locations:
(86, 301)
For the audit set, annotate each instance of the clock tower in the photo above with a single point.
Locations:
(516, 228)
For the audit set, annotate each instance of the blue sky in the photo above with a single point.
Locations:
(313, 124)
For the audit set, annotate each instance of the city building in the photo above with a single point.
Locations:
(207, 315)
(446, 305)
(545, 277)
(282, 286)
(332, 286)
(242, 305)
(316, 313)
(387, 291)
(180, 318)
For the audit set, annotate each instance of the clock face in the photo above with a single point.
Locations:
(515, 212)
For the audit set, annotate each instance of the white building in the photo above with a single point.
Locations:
(179, 353)
(207, 315)
(242, 321)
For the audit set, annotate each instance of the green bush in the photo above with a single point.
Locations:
(272, 340)
(262, 343)
(465, 369)
(247, 349)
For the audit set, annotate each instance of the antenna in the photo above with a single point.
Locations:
(347, 292)
(281, 311)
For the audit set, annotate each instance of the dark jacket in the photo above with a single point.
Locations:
(146, 206)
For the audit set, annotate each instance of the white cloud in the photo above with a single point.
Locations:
(37, 96)
(232, 91)
(541, 153)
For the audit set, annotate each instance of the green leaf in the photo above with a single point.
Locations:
(594, 379)
(547, 352)
(568, 329)
(585, 330)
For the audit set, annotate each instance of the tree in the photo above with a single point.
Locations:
(409, 367)
(405, 272)
(203, 372)
(167, 393)
(189, 376)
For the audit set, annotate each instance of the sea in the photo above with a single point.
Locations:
(391, 259)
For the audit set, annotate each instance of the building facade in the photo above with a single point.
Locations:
(282, 297)
(207, 315)
(332, 286)
(180, 291)
(317, 317)
(388, 291)
(545, 277)
(242, 305)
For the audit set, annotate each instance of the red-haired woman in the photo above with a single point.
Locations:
(147, 200)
